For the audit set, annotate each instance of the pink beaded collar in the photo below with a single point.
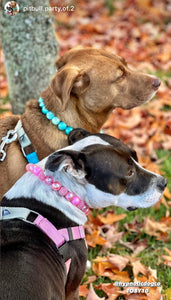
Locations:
(56, 186)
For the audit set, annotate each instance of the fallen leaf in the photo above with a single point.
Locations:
(111, 218)
(83, 290)
(94, 239)
(90, 279)
(92, 295)
(111, 235)
(102, 266)
(167, 258)
(118, 261)
(138, 267)
(110, 289)
(154, 228)
(137, 247)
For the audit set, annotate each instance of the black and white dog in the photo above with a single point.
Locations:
(42, 217)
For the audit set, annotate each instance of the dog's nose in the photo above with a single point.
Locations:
(161, 183)
(156, 83)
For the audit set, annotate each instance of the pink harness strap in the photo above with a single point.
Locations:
(59, 237)
(50, 230)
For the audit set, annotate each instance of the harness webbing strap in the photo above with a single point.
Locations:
(25, 143)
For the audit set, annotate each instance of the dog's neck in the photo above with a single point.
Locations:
(76, 114)
(35, 188)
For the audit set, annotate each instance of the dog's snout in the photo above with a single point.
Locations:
(156, 83)
(161, 183)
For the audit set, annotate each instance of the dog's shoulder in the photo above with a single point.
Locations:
(7, 124)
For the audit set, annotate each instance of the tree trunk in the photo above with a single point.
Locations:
(30, 48)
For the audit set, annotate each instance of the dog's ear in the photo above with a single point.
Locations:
(76, 135)
(69, 80)
(118, 145)
(69, 161)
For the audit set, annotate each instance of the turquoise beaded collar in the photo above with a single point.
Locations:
(55, 120)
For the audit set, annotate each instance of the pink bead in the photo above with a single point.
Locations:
(48, 180)
(56, 186)
(85, 209)
(29, 167)
(69, 196)
(42, 176)
(36, 170)
(81, 204)
(75, 200)
(63, 191)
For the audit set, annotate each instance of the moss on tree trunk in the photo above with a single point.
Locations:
(30, 47)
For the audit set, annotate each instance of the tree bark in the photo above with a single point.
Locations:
(30, 48)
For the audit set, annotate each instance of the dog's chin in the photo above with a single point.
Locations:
(131, 208)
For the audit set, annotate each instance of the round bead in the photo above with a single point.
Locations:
(40, 100)
(63, 191)
(48, 180)
(42, 176)
(41, 104)
(36, 170)
(81, 204)
(69, 196)
(55, 121)
(68, 130)
(62, 126)
(44, 110)
(85, 209)
(29, 167)
(49, 115)
(56, 186)
(75, 201)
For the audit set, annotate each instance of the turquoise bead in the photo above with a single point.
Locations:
(55, 121)
(41, 104)
(68, 130)
(50, 115)
(40, 100)
(62, 126)
(44, 110)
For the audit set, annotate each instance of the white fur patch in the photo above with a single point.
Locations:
(97, 199)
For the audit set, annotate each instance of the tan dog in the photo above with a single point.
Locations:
(89, 84)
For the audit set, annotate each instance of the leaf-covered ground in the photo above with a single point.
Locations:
(126, 246)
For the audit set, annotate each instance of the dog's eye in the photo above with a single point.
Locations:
(130, 173)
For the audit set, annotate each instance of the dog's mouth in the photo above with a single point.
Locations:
(131, 208)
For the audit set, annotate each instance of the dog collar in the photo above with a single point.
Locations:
(59, 237)
(55, 120)
(57, 187)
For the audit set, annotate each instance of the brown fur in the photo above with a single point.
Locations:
(89, 84)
